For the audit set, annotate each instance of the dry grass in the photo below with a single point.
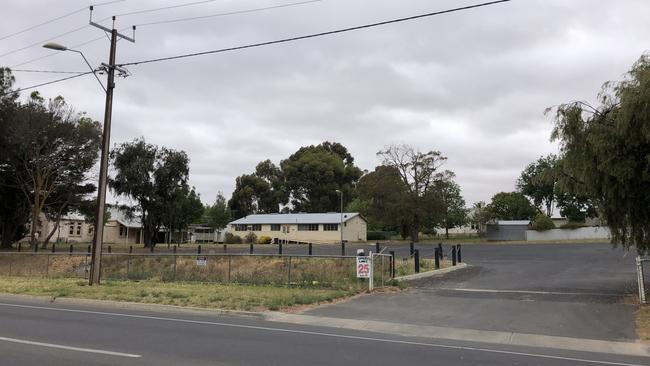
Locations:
(232, 296)
(643, 322)
(403, 268)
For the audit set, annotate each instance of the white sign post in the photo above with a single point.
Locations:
(364, 268)
(202, 261)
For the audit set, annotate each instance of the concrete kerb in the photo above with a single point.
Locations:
(467, 335)
(110, 304)
(436, 272)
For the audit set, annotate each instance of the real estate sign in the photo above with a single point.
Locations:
(363, 267)
(202, 261)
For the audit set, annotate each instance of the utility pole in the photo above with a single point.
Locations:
(95, 271)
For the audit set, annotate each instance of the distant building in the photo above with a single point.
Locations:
(205, 234)
(507, 230)
(302, 227)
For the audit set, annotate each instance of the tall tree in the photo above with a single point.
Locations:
(260, 192)
(383, 200)
(511, 206)
(605, 149)
(417, 170)
(217, 216)
(152, 176)
(52, 149)
(538, 182)
(314, 173)
(452, 211)
(480, 215)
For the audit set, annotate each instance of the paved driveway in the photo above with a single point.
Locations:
(572, 290)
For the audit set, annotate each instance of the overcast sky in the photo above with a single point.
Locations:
(472, 84)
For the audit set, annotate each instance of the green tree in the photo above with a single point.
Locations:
(314, 173)
(606, 150)
(417, 171)
(543, 222)
(452, 211)
(480, 215)
(51, 149)
(511, 206)
(383, 200)
(152, 176)
(538, 181)
(260, 192)
(217, 216)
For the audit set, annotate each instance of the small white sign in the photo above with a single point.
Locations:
(202, 261)
(363, 267)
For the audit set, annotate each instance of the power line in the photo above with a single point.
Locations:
(313, 35)
(43, 41)
(51, 82)
(165, 8)
(55, 19)
(48, 71)
(228, 13)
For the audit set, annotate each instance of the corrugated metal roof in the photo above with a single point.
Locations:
(121, 217)
(513, 222)
(296, 218)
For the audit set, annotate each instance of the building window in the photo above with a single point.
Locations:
(79, 228)
(239, 227)
(256, 227)
(71, 232)
(307, 227)
(331, 227)
(121, 230)
(275, 227)
(90, 229)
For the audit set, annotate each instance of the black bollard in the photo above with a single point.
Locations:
(175, 248)
(392, 264)
(440, 251)
(342, 248)
(151, 248)
(251, 249)
(130, 249)
(110, 250)
(198, 249)
(310, 249)
(280, 248)
(53, 248)
(412, 247)
(71, 248)
(20, 246)
(458, 253)
(436, 255)
(416, 258)
(89, 249)
(453, 255)
(225, 248)
(377, 248)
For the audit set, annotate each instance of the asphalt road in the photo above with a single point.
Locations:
(572, 290)
(41, 333)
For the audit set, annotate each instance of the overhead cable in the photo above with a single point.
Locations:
(313, 35)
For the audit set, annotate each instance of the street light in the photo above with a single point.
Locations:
(341, 225)
(60, 47)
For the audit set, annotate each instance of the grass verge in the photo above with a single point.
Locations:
(221, 296)
(643, 322)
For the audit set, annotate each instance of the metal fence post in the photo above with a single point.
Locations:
(175, 260)
(280, 248)
(110, 250)
(436, 255)
(412, 248)
(225, 248)
(53, 247)
(440, 251)
(71, 248)
(198, 249)
(392, 264)
(458, 253)
(47, 267)
(229, 265)
(11, 260)
(342, 248)
(20, 247)
(416, 258)
(453, 255)
(640, 279)
(310, 249)
(289, 276)
(377, 248)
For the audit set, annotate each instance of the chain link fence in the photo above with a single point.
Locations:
(299, 270)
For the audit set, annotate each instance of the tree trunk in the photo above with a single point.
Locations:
(49, 236)
(33, 242)
(446, 232)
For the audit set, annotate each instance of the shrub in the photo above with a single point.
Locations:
(264, 240)
(543, 222)
(377, 235)
(232, 239)
(572, 225)
(251, 238)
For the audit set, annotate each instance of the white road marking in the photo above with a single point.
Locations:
(68, 348)
(526, 292)
(322, 334)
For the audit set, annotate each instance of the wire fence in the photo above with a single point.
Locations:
(643, 279)
(299, 270)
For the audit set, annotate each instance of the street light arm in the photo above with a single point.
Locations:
(91, 68)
